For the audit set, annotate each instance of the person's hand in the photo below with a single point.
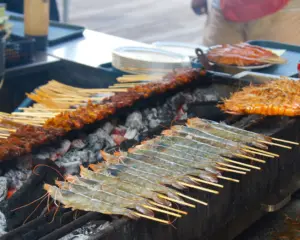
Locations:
(199, 6)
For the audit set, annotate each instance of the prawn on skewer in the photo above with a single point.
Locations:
(82, 202)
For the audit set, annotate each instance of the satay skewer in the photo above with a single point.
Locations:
(285, 141)
(206, 182)
(161, 211)
(198, 187)
(275, 144)
(242, 164)
(168, 208)
(262, 151)
(176, 201)
(234, 167)
(229, 179)
(231, 170)
(152, 218)
(258, 153)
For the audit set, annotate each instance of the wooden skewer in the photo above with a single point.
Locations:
(206, 182)
(8, 129)
(275, 144)
(231, 170)
(143, 76)
(169, 208)
(162, 211)
(35, 114)
(3, 137)
(242, 164)
(284, 141)
(123, 86)
(229, 179)
(234, 167)
(192, 199)
(250, 158)
(101, 90)
(176, 201)
(152, 218)
(259, 150)
(4, 134)
(198, 187)
(258, 153)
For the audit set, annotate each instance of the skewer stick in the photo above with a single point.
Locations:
(275, 144)
(242, 164)
(8, 129)
(176, 201)
(192, 199)
(259, 150)
(250, 158)
(234, 167)
(198, 187)
(258, 153)
(229, 179)
(3, 137)
(206, 182)
(162, 211)
(152, 218)
(169, 208)
(231, 170)
(284, 141)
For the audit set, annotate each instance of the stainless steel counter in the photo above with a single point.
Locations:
(93, 49)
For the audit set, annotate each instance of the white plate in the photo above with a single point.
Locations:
(141, 59)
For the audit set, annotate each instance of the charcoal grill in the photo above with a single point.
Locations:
(236, 207)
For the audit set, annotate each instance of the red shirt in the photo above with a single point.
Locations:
(247, 10)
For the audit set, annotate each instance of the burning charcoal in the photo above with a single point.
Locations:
(99, 157)
(42, 155)
(135, 120)
(86, 231)
(131, 133)
(64, 147)
(199, 95)
(177, 100)
(16, 178)
(119, 130)
(101, 134)
(62, 150)
(2, 224)
(118, 139)
(89, 157)
(78, 144)
(98, 146)
(24, 162)
(108, 127)
(221, 90)
(3, 192)
(154, 123)
(188, 97)
(70, 167)
(92, 139)
(210, 98)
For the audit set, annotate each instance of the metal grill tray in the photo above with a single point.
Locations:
(58, 32)
(292, 54)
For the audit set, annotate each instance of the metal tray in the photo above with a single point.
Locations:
(257, 77)
(292, 54)
(58, 32)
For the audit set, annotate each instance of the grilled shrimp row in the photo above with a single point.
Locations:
(153, 173)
